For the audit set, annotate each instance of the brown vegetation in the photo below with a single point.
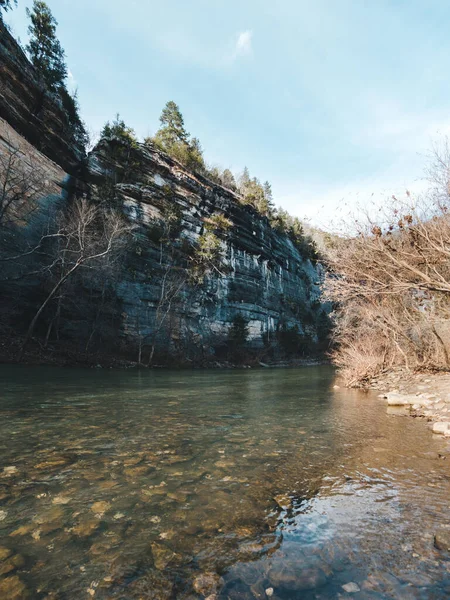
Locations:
(390, 283)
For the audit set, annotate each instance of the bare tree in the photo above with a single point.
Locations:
(391, 283)
(89, 237)
(22, 184)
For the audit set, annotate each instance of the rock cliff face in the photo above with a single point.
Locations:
(161, 303)
(262, 276)
(31, 110)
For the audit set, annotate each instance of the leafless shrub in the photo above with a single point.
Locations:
(390, 282)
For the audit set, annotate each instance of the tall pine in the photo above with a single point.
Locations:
(44, 48)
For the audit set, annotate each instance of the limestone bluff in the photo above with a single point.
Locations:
(264, 278)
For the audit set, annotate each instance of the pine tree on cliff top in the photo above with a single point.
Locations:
(172, 130)
(173, 138)
(6, 5)
(44, 48)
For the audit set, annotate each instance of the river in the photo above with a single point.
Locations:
(236, 484)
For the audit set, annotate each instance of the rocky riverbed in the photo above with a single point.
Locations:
(232, 484)
(420, 395)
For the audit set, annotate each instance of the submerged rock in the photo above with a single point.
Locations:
(283, 501)
(162, 555)
(351, 588)
(99, 508)
(296, 577)
(206, 583)
(4, 553)
(442, 540)
(12, 588)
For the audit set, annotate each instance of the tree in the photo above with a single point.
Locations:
(70, 105)
(44, 48)
(172, 130)
(244, 180)
(21, 185)
(6, 5)
(87, 236)
(173, 138)
(228, 180)
(118, 129)
(237, 338)
(122, 153)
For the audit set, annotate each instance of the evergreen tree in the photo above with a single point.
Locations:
(44, 48)
(228, 179)
(173, 138)
(6, 5)
(244, 180)
(172, 130)
(70, 105)
(118, 129)
(268, 191)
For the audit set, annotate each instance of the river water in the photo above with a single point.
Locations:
(221, 484)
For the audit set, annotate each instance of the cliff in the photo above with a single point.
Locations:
(31, 109)
(263, 277)
(162, 301)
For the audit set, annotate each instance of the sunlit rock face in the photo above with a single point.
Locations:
(27, 106)
(262, 277)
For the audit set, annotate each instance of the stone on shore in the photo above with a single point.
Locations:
(396, 399)
(441, 427)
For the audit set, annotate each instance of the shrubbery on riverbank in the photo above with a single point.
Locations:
(390, 282)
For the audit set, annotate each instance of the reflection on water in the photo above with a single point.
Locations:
(243, 484)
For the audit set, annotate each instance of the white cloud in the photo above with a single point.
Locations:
(331, 206)
(243, 46)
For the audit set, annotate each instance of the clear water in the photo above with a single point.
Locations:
(134, 484)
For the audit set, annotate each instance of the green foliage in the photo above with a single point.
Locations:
(292, 341)
(123, 150)
(44, 48)
(323, 327)
(119, 130)
(173, 138)
(172, 128)
(47, 56)
(228, 180)
(283, 222)
(255, 194)
(237, 338)
(217, 222)
(214, 174)
(71, 107)
(6, 5)
(207, 257)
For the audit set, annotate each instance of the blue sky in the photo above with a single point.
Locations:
(331, 101)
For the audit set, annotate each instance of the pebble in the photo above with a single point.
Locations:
(99, 508)
(206, 583)
(8, 471)
(351, 588)
(283, 501)
(442, 540)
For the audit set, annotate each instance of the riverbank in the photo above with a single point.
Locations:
(422, 395)
(66, 354)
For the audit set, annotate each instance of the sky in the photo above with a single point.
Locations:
(334, 102)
